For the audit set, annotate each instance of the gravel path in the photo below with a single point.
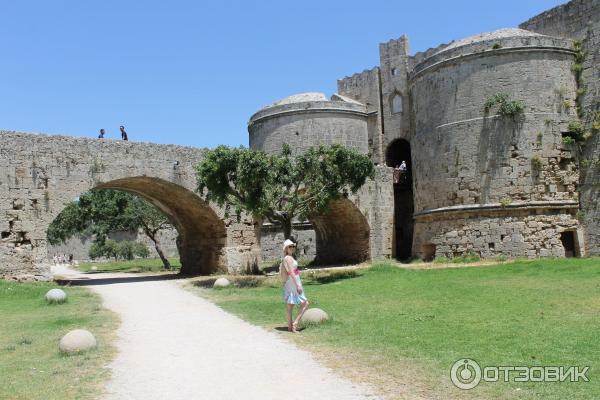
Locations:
(175, 345)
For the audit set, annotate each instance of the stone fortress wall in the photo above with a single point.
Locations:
(477, 182)
(40, 174)
(580, 20)
(79, 246)
(484, 183)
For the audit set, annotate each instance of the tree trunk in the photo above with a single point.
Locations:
(152, 236)
(165, 261)
(286, 225)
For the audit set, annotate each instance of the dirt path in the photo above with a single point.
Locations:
(174, 345)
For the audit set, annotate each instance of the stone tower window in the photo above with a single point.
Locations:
(396, 103)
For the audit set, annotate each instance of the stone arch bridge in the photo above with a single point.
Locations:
(41, 174)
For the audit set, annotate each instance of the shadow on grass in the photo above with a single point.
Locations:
(121, 279)
(285, 329)
(325, 277)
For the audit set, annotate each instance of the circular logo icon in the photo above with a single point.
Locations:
(465, 373)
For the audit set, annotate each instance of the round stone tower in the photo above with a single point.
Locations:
(486, 182)
(309, 119)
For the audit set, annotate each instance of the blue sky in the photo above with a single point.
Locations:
(192, 72)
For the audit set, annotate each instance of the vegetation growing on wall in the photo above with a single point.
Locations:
(505, 106)
(536, 162)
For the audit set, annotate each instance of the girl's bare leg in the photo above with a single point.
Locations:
(303, 308)
(290, 308)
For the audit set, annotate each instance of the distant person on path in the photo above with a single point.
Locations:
(293, 293)
(101, 135)
(123, 133)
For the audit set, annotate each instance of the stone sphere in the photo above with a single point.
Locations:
(221, 282)
(314, 316)
(56, 296)
(76, 341)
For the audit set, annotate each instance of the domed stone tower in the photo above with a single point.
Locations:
(352, 229)
(486, 182)
(309, 119)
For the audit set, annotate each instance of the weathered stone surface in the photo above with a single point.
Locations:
(221, 282)
(314, 316)
(40, 174)
(76, 341)
(56, 296)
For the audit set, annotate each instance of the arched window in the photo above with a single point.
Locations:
(396, 103)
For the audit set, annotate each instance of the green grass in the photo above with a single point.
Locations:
(410, 325)
(31, 366)
(133, 266)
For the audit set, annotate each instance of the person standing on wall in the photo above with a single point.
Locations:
(123, 133)
(101, 135)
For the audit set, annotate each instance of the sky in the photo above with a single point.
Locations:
(193, 72)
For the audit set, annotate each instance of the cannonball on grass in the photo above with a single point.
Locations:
(77, 341)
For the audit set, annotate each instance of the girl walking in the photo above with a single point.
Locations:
(293, 292)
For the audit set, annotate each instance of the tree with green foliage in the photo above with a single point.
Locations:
(280, 187)
(101, 212)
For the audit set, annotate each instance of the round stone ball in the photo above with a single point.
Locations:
(221, 282)
(56, 296)
(76, 341)
(314, 316)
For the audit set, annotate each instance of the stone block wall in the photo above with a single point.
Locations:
(580, 19)
(79, 246)
(514, 233)
(40, 174)
(365, 88)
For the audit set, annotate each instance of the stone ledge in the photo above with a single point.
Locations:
(476, 208)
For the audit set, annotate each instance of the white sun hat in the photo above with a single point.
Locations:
(287, 243)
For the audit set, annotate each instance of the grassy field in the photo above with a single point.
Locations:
(402, 329)
(133, 266)
(31, 366)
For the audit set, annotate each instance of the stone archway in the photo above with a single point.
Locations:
(40, 175)
(202, 233)
(342, 234)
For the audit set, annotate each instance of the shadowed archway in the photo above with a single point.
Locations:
(342, 234)
(202, 234)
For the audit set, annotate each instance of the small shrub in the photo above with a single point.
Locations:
(332, 276)
(580, 92)
(441, 260)
(585, 163)
(568, 140)
(248, 281)
(536, 162)
(505, 202)
(506, 107)
(125, 249)
(25, 341)
(501, 258)
(496, 46)
(596, 124)
(567, 105)
(140, 250)
(580, 215)
(598, 164)
(469, 256)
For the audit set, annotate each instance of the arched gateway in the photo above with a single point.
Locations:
(40, 174)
